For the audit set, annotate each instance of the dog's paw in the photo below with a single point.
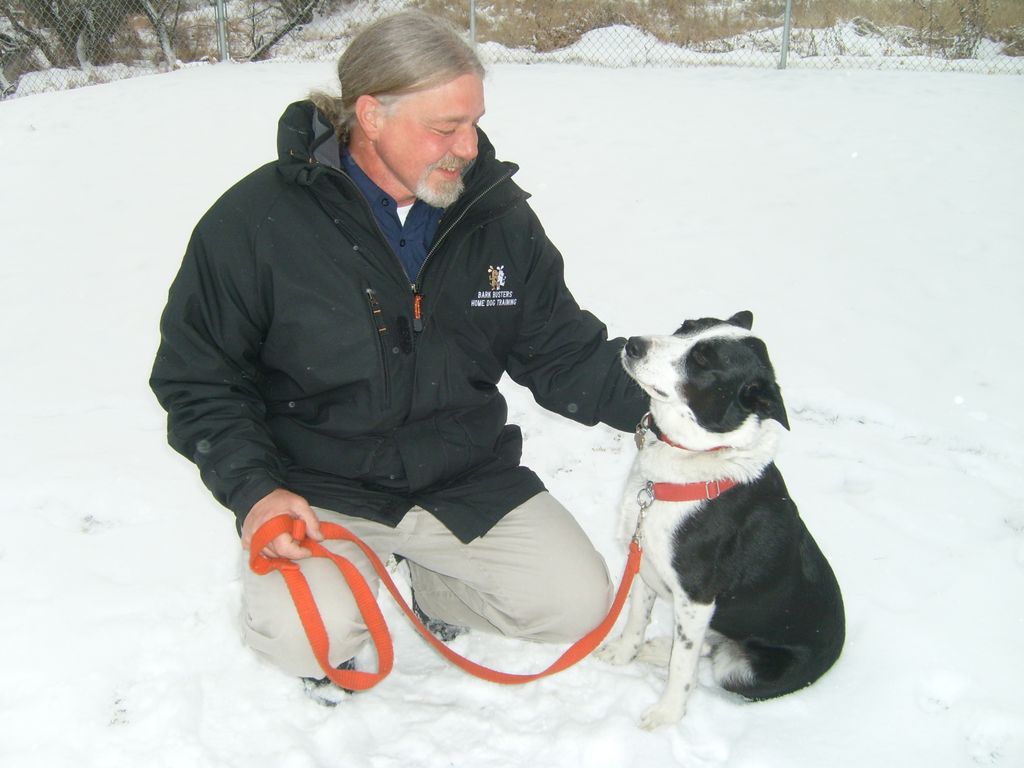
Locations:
(618, 652)
(662, 713)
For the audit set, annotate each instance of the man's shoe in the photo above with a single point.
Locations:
(323, 691)
(442, 630)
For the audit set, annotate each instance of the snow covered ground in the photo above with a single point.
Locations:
(872, 222)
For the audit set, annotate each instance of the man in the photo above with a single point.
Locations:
(332, 345)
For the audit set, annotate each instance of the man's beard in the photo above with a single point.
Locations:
(444, 192)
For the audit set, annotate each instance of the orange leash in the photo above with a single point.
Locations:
(356, 680)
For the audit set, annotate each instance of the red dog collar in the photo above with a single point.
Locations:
(701, 491)
(705, 491)
(647, 424)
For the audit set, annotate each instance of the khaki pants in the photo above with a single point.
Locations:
(535, 575)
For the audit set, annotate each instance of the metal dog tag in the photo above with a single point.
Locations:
(640, 433)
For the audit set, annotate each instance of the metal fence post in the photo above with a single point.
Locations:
(787, 25)
(472, 23)
(222, 33)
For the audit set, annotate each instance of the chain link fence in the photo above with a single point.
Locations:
(55, 44)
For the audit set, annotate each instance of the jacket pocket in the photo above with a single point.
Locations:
(381, 332)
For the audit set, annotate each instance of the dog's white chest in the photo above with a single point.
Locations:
(659, 531)
(658, 525)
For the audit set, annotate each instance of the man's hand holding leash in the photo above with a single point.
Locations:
(274, 504)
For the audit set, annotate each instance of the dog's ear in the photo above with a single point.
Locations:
(764, 398)
(686, 328)
(744, 319)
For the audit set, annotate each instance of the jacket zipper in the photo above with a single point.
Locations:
(417, 296)
(373, 218)
(377, 316)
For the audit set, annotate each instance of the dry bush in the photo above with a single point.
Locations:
(545, 25)
(197, 39)
(948, 27)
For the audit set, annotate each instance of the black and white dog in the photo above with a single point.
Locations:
(722, 539)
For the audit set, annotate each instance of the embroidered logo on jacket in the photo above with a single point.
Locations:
(497, 296)
(497, 277)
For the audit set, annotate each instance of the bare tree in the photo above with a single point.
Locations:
(80, 30)
(10, 49)
(973, 22)
(25, 27)
(157, 12)
(296, 13)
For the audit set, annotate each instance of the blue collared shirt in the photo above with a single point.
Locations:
(410, 241)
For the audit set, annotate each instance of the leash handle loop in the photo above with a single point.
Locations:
(356, 680)
(305, 603)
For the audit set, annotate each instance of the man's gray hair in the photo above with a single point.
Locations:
(396, 55)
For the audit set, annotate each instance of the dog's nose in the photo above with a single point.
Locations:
(636, 346)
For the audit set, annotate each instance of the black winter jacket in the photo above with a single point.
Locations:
(295, 353)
